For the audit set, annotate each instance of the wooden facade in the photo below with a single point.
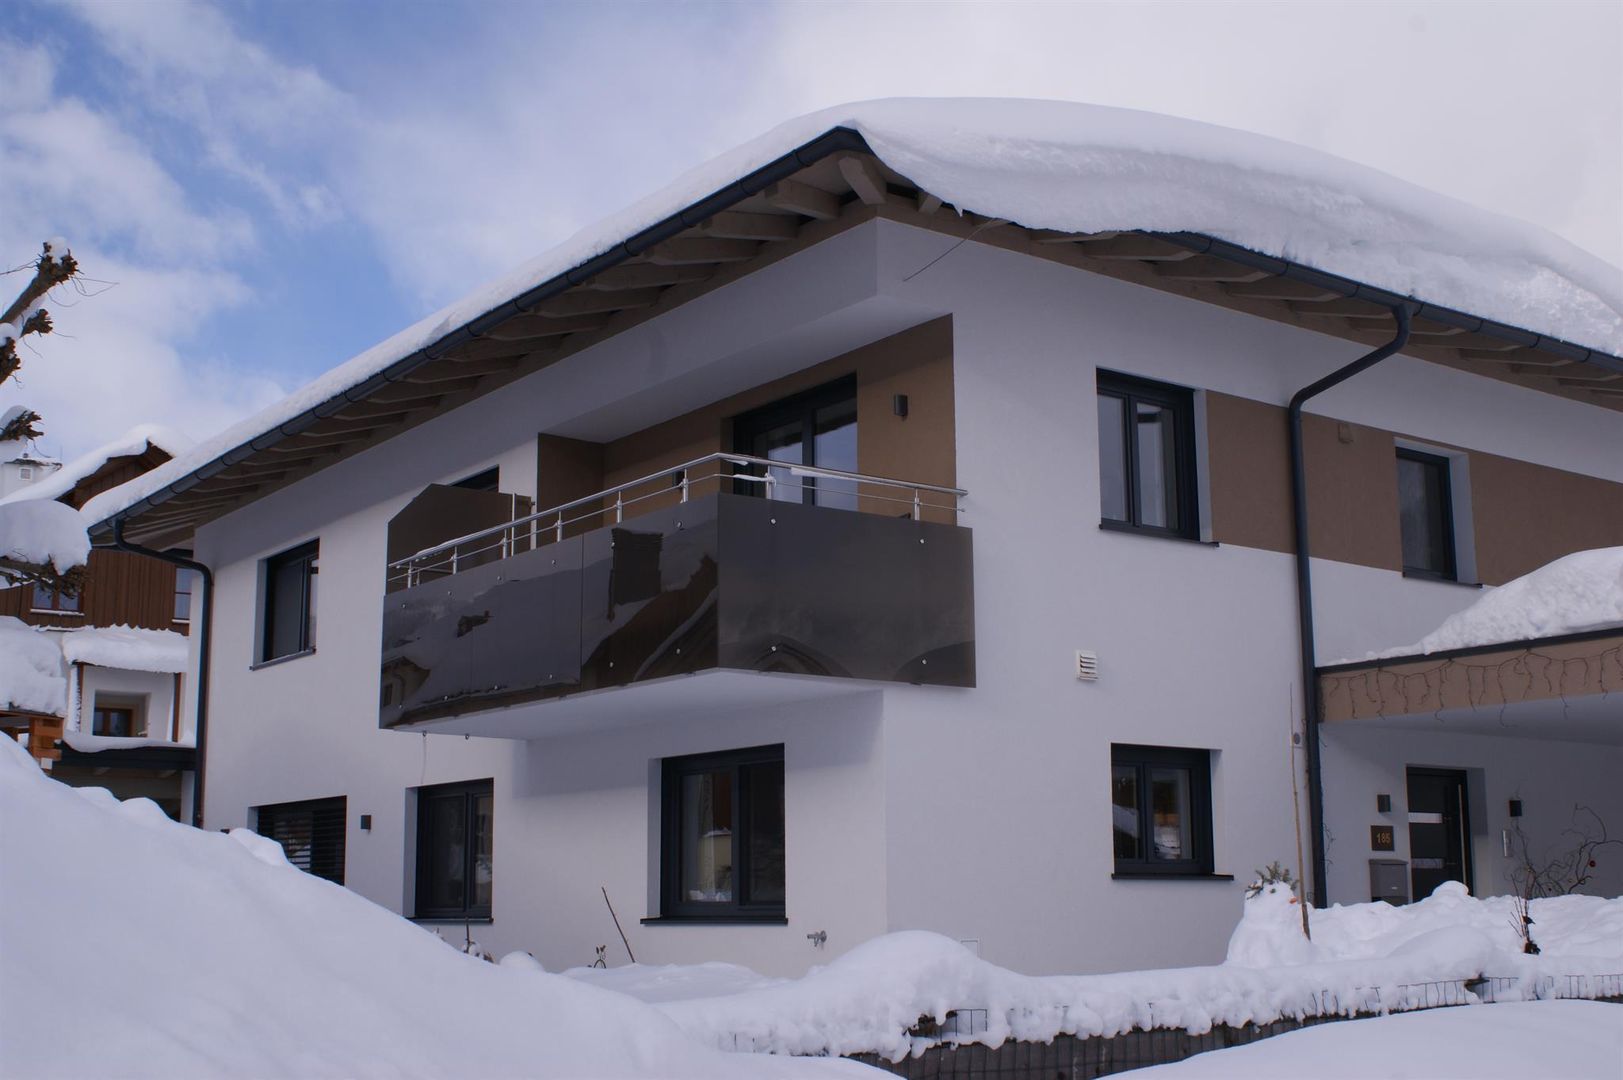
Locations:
(120, 589)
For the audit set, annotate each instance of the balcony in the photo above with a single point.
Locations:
(727, 581)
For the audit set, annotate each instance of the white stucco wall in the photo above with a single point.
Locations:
(982, 813)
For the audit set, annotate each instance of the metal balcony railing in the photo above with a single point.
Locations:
(843, 490)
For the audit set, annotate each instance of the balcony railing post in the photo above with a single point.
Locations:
(558, 529)
(769, 482)
(619, 506)
(916, 515)
(684, 485)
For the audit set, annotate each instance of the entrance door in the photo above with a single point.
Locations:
(1439, 830)
(815, 428)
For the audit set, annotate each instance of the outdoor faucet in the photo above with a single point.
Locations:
(818, 938)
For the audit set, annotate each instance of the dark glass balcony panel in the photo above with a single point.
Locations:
(444, 512)
(726, 581)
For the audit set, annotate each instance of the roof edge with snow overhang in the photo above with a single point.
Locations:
(840, 168)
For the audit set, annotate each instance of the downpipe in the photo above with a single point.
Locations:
(1304, 590)
(205, 628)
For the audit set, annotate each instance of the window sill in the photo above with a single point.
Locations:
(716, 920)
(55, 611)
(1150, 875)
(450, 920)
(273, 661)
(1158, 534)
(1426, 575)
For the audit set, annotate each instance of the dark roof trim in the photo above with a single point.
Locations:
(183, 758)
(837, 140)
(1206, 245)
(1524, 645)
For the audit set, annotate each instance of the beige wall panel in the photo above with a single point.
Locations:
(1526, 515)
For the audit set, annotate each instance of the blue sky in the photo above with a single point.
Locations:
(272, 187)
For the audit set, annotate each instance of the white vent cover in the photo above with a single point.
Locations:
(1087, 666)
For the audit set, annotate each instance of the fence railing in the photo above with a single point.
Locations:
(773, 479)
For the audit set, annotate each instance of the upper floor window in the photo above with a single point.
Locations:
(290, 602)
(185, 583)
(817, 428)
(311, 834)
(25, 473)
(455, 849)
(723, 853)
(49, 599)
(1147, 456)
(1426, 514)
(489, 480)
(1161, 809)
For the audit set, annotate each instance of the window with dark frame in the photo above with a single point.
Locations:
(723, 836)
(817, 428)
(185, 582)
(114, 720)
(1147, 456)
(1426, 514)
(311, 834)
(455, 851)
(49, 599)
(290, 602)
(1161, 810)
(489, 480)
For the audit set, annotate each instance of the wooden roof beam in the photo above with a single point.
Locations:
(597, 302)
(685, 251)
(928, 204)
(802, 199)
(1131, 246)
(648, 275)
(737, 225)
(521, 328)
(1529, 358)
(864, 179)
(1278, 288)
(1207, 268)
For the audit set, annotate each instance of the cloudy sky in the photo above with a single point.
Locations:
(257, 191)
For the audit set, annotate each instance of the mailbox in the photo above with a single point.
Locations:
(1389, 880)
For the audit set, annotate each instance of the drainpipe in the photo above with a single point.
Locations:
(205, 627)
(1304, 589)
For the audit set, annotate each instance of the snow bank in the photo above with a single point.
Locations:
(31, 678)
(134, 441)
(1552, 1040)
(1577, 592)
(674, 982)
(41, 533)
(1088, 168)
(87, 743)
(128, 647)
(224, 961)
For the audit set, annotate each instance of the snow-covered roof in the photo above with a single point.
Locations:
(1574, 594)
(31, 677)
(39, 533)
(135, 441)
(1077, 168)
(127, 647)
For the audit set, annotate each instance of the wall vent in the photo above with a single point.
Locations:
(1087, 666)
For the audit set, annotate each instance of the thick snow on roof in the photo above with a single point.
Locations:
(1574, 594)
(31, 677)
(134, 441)
(128, 647)
(1089, 168)
(226, 961)
(40, 533)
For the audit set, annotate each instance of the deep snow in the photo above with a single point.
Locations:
(132, 946)
(131, 648)
(1089, 168)
(31, 677)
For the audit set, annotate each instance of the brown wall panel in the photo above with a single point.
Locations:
(1526, 515)
(120, 588)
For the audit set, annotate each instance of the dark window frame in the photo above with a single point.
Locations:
(1199, 764)
(185, 585)
(329, 829)
(97, 712)
(1180, 402)
(470, 791)
(1450, 570)
(485, 480)
(61, 603)
(740, 908)
(803, 408)
(304, 560)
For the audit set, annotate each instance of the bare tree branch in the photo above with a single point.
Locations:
(14, 572)
(25, 315)
(20, 427)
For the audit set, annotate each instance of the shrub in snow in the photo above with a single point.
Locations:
(521, 961)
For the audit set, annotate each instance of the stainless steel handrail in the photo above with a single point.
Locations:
(617, 492)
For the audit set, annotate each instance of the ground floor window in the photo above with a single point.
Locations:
(723, 853)
(311, 834)
(1161, 809)
(455, 868)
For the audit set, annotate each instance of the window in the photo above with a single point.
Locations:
(1161, 810)
(1147, 456)
(121, 715)
(25, 473)
(311, 834)
(49, 599)
(290, 603)
(185, 582)
(723, 851)
(489, 480)
(1426, 514)
(816, 428)
(454, 851)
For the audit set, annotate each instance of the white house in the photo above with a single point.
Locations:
(999, 633)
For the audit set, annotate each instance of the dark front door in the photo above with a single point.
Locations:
(1439, 830)
(815, 428)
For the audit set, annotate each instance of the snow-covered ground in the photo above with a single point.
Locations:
(1549, 1040)
(132, 946)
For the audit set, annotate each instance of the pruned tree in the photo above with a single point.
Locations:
(38, 544)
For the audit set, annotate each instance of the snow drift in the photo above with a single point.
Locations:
(31, 678)
(135, 947)
(1089, 168)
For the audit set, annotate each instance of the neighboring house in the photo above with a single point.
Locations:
(902, 536)
(120, 645)
(22, 465)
